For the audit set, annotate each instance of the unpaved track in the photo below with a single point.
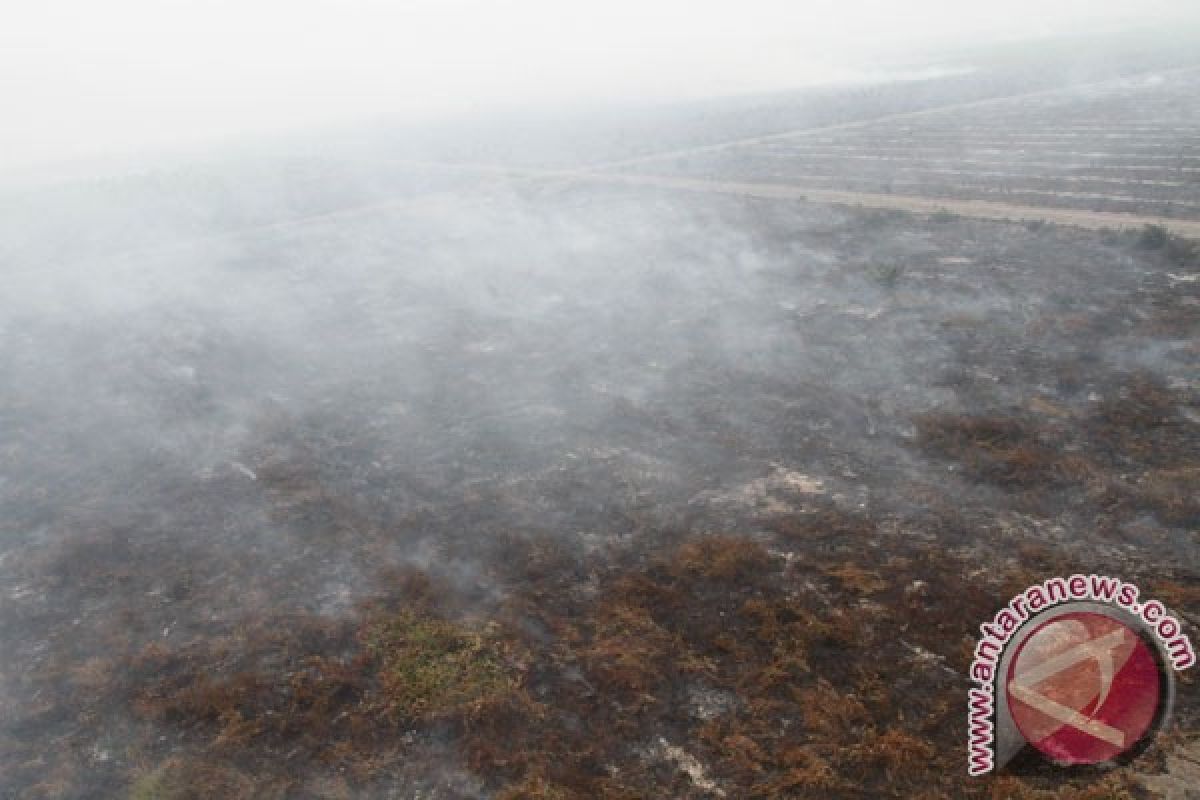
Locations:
(977, 209)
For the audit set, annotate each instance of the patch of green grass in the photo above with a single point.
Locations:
(151, 786)
(431, 668)
(179, 779)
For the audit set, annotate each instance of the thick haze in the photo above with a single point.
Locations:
(266, 371)
(80, 79)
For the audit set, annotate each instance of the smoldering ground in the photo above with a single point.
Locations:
(653, 478)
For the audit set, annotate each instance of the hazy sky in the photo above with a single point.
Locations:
(80, 78)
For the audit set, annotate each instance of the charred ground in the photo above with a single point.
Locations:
(699, 500)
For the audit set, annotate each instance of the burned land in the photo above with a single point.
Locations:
(687, 499)
(339, 475)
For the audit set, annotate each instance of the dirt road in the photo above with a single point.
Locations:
(978, 209)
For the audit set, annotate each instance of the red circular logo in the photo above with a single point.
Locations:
(1083, 688)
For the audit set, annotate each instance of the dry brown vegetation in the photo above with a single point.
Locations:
(835, 676)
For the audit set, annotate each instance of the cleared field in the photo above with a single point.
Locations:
(1127, 147)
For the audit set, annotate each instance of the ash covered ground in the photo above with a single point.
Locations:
(533, 489)
(697, 499)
